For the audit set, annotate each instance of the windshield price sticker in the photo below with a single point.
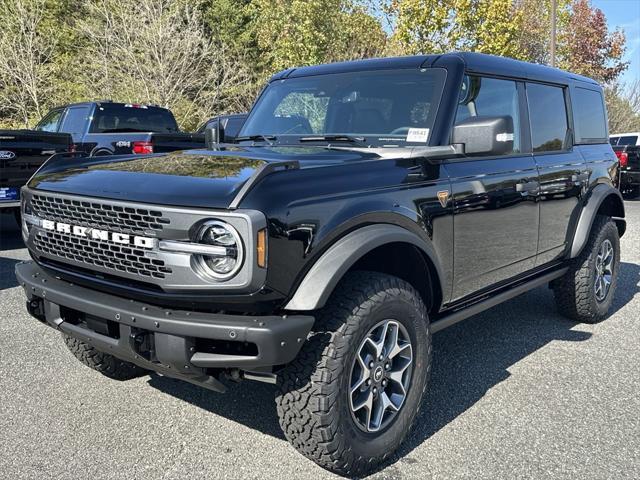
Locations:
(417, 135)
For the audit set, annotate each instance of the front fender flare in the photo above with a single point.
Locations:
(326, 272)
(598, 196)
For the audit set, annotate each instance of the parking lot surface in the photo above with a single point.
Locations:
(516, 392)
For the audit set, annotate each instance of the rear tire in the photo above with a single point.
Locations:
(580, 293)
(106, 364)
(318, 400)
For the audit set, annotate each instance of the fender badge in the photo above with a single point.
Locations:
(443, 196)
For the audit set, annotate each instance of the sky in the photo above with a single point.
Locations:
(625, 14)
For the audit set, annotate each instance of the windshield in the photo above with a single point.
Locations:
(376, 108)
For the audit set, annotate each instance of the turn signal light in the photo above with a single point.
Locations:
(142, 148)
(261, 248)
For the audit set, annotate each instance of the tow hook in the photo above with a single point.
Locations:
(140, 342)
(35, 307)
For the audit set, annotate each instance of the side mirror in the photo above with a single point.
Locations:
(214, 136)
(485, 135)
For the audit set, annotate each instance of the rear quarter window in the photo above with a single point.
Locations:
(589, 118)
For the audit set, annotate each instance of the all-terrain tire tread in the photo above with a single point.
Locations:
(104, 363)
(573, 292)
(308, 387)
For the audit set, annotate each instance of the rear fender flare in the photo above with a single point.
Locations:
(325, 274)
(598, 196)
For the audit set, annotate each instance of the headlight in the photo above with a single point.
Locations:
(226, 262)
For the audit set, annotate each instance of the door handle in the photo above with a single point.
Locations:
(525, 187)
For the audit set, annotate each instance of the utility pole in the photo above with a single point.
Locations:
(553, 33)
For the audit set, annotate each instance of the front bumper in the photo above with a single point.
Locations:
(177, 343)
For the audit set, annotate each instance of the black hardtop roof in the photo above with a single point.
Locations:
(473, 62)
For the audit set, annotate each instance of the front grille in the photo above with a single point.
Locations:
(104, 216)
(105, 254)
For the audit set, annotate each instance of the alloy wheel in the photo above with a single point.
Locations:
(604, 270)
(380, 375)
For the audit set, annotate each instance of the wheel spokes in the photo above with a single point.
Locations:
(362, 377)
(605, 260)
(397, 375)
(380, 375)
(365, 400)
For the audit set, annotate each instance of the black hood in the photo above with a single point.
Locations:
(193, 178)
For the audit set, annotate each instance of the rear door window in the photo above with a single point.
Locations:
(589, 118)
(75, 120)
(548, 117)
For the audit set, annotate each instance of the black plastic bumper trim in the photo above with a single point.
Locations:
(278, 338)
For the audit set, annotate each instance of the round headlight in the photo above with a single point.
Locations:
(226, 263)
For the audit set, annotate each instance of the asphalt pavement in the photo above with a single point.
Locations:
(516, 392)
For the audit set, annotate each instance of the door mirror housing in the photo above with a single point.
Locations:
(485, 135)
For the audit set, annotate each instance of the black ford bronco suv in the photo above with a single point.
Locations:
(363, 207)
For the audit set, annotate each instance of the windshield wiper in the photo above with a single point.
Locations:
(266, 138)
(334, 138)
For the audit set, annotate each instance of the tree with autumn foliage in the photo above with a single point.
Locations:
(587, 47)
(535, 27)
(206, 57)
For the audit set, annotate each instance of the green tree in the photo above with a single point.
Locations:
(623, 107)
(434, 26)
(35, 41)
(230, 23)
(421, 26)
(487, 27)
(360, 36)
(293, 33)
(158, 51)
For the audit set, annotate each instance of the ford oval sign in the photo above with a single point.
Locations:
(6, 155)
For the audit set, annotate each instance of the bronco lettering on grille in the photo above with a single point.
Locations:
(96, 234)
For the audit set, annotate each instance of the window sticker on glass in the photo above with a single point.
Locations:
(417, 135)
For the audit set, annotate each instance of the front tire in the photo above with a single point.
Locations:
(374, 327)
(106, 364)
(586, 291)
